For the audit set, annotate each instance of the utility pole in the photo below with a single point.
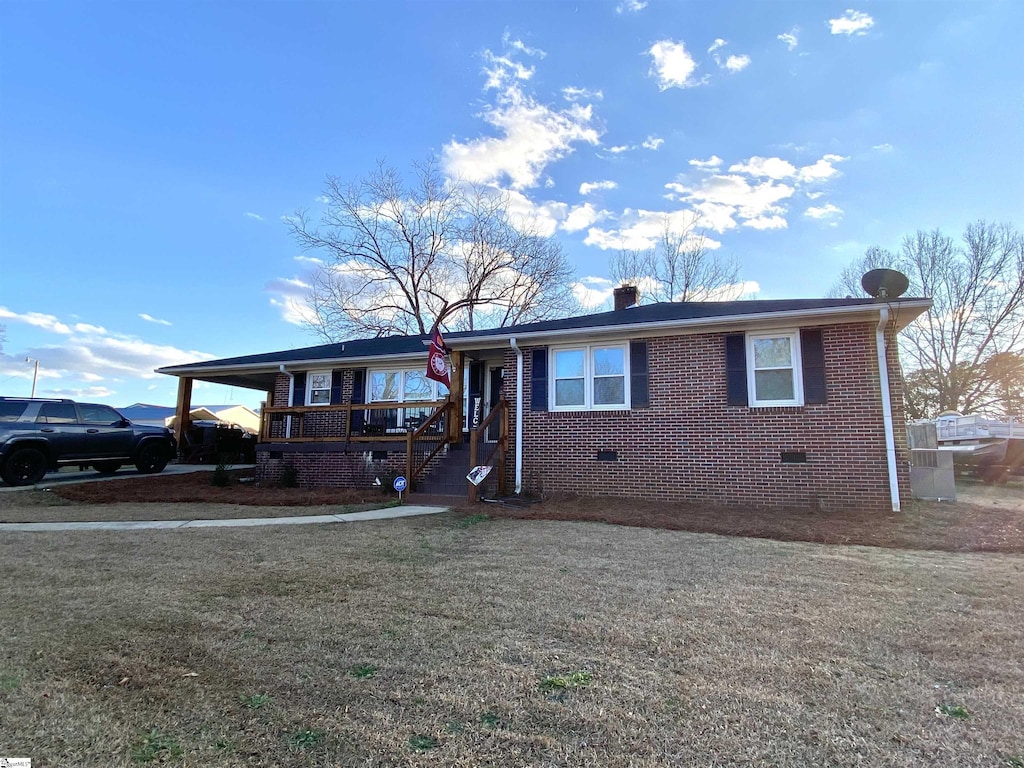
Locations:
(35, 373)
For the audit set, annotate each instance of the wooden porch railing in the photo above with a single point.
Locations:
(366, 423)
(498, 413)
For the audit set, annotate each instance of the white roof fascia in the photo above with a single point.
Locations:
(179, 370)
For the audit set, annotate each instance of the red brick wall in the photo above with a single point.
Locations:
(332, 469)
(691, 445)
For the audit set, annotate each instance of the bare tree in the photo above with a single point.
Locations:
(956, 354)
(680, 267)
(399, 257)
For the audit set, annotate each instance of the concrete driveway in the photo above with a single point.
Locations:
(70, 476)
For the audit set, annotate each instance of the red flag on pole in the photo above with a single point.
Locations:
(437, 363)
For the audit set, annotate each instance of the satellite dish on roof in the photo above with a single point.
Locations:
(885, 283)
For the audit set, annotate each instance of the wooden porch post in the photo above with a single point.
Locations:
(474, 495)
(456, 396)
(184, 405)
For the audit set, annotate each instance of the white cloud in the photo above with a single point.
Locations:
(322, 199)
(81, 394)
(519, 45)
(640, 229)
(672, 65)
(883, 147)
(770, 167)
(151, 319)
(719, 43)
(790, 38)
(571, 93)
(502, 71)
(851, 23)
(822, 169)
(582, 216)
(826, 211)
(592, 292)
(96, 355)
(36, 319)
(652, 142)
(722, 199)
(766, 222)
(252, 215)
(619, 149)
(591, 186)
(530, 136)
(712, 162)
(540, 217)
(733, 291)
(632, 6)
(737, 63)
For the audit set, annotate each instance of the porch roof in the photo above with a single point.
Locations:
(258, 370)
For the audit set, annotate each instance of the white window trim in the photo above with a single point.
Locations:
(798, 376)
(309, 387)
(588, 378)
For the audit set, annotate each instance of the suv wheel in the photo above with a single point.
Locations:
(152, 458)
(25, 466)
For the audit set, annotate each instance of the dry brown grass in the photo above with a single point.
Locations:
(703, 650)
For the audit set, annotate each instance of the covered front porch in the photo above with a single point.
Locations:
(346, 435)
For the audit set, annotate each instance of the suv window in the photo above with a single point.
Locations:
(57, 413)
(10, 410)
(99, 414)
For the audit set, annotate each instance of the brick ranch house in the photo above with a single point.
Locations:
(760, 403)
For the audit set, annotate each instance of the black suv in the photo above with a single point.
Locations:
(37, 435)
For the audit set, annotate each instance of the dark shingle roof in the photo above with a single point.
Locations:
(649, 313)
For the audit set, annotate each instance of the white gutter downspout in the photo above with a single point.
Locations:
(519, 415)
(890, 440)
(291, 397)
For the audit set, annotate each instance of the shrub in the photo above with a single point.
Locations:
(220, 477)
(289, 477)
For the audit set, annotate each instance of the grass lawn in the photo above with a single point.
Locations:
(467, 642)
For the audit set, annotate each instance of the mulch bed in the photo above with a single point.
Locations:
(196, 487)
(952, 527)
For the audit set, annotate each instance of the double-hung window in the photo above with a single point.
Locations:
(594, 377)
(773, 369)
(318, 388)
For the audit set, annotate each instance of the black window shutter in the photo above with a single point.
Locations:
(299, 388)
(736, 369)
(358, 398)
(336, 387)
(639, 378)
(812, 356)
(539, 380)
(359, 386)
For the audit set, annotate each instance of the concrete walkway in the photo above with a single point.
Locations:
(410, 510)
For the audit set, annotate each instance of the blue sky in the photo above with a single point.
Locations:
(148, 151)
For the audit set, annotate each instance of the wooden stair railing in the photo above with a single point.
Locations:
(412, 468)
(500, 413)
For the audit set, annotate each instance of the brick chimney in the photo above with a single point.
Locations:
(626, 296)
